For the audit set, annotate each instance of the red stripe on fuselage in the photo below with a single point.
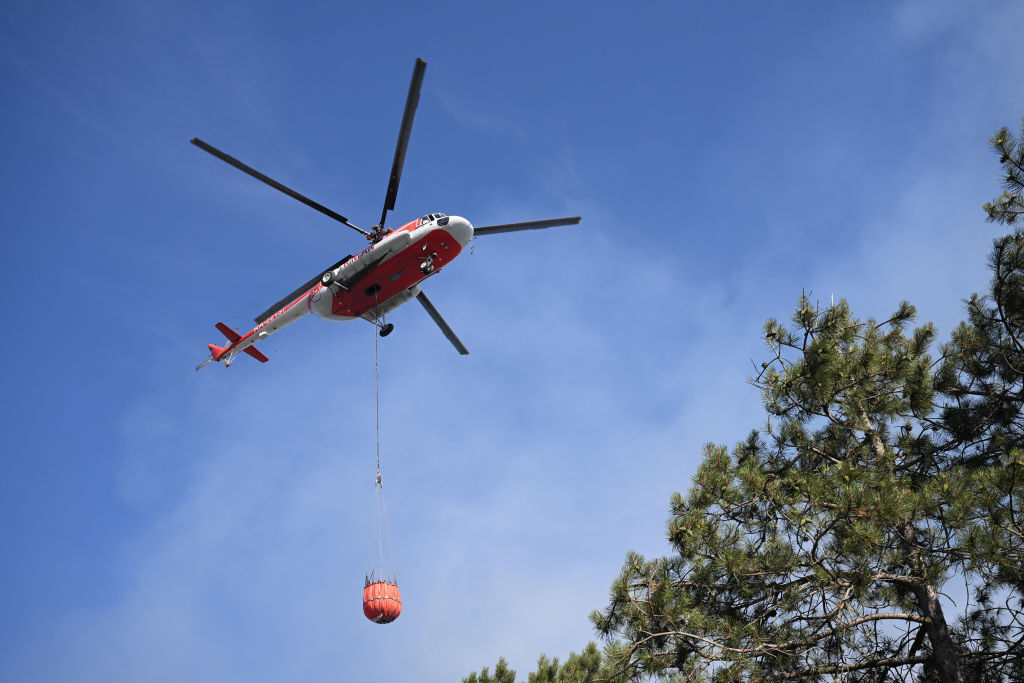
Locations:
(268, 321)
(397, 274)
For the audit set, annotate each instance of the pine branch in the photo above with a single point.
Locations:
(888, 662)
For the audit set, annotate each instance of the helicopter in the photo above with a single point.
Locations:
(383, 276)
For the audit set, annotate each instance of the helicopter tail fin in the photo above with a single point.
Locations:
(216, 352)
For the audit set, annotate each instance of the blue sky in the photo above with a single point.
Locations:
(162, 524)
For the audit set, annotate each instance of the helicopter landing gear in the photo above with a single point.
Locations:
(327, 278)
(385, 330)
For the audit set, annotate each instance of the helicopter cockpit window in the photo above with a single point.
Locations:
(433, 217)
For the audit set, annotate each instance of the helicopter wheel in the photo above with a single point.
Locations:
(386, 330)
(327, 278)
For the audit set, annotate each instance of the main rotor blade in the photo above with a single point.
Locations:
(403, 138)
(459, 346)
(528, 225)
(273, 183)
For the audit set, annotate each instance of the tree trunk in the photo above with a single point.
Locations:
(944, 656)
(947, 664)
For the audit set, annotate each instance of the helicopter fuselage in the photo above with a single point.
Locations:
(367, 285)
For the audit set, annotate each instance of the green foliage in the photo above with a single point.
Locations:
(502, 674)
(589, 665)
(790, 550)
(816, 549)
(819, 545)
(1008, 208)
(982, 379)
(584, 667)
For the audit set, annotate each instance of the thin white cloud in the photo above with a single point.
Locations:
(517, 478)
(476, 120)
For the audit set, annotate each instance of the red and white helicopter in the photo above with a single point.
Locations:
(382, 276)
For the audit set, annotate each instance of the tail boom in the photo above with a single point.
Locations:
(239, 344)
(243, 343)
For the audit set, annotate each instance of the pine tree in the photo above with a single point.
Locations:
(588, 665)
(584, 667)
(502, 674)
(982, 379)
(1008, 208)
(806, 550)
(820, 546)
